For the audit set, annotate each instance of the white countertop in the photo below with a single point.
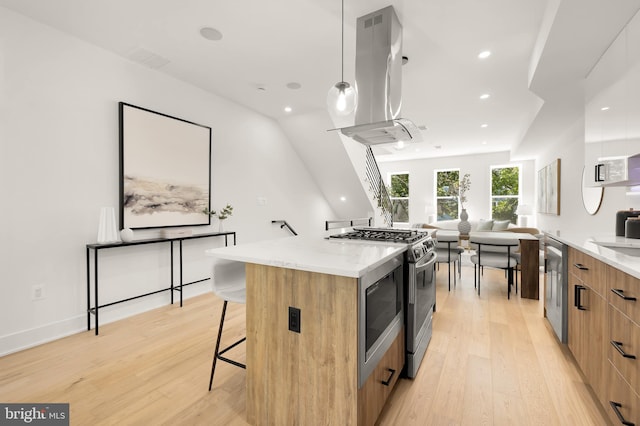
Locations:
(348, 258)
(594, 245)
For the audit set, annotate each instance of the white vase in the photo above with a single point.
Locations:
(107, 231)
(221, 225)
(464, 226)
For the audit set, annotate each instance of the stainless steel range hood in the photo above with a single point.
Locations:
(379, 82)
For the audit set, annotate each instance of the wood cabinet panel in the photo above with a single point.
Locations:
(625, 286)
(618, 392)
(373, 394)
(626, 336)
(293, 377)
(589, 270)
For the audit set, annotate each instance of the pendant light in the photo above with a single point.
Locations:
(342, 98)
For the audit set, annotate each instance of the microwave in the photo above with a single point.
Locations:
(617, 171)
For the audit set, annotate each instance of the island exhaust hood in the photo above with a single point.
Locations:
(379, 82)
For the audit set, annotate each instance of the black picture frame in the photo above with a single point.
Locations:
(165, 170)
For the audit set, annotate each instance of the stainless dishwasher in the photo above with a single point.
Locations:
(556, 286)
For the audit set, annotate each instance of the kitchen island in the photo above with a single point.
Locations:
(311, 376)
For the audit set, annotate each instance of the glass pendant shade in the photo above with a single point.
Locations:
(342, 99)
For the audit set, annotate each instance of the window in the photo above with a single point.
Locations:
(399, 194)
(446, 194)
(505, 192)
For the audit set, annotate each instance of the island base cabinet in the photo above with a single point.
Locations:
(375, 391)
(621, 402)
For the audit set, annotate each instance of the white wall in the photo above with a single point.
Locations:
(59, 165)
(478, 205)
(573, 217)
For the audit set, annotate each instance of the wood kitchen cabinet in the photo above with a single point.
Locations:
(310, 377)
(587, 317)
(621, 399)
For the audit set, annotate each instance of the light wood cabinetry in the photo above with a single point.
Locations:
(587, 317)
(310, 377)
(621, 400)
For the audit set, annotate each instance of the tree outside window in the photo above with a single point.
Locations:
(399, 194)
(446, 194)
(505, 192)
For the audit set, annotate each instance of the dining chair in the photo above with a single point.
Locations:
(448, 251)
(229, 284)
(494, 251)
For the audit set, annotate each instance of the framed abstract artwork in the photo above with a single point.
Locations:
(165, 170)
(548, 199)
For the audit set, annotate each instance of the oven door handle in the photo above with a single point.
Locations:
(419, 267)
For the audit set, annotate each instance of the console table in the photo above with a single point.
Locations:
(96, 249)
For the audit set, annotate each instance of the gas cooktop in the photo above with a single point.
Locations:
(406, 236)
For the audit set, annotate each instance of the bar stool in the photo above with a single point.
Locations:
(229, 284)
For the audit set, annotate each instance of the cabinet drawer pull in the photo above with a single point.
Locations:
(577, 290)
(615, 406)
(388, 381)
(620, 293)
(581, 266)
(618, 346)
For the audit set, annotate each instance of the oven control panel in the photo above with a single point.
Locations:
(420, 250)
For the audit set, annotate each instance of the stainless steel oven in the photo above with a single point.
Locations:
(381, 314)
(420, 304)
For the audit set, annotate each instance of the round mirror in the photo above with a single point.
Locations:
(591, 195)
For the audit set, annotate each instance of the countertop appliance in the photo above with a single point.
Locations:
(618, 171)
(419, 286)
(556, 286)
(621, 218)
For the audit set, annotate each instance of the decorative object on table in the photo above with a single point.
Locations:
(621, 219)
(342, 98)
(549, 188)
(461, 191)
(221, 215)
(107, 231)
(126, 234)
(523, 211)
(165, 170)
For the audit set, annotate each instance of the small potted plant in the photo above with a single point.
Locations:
(221, 215)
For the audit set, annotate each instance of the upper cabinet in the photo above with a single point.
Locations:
(612, 101)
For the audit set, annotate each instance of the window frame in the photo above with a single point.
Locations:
(407, 198)
(517, 197)
(436, 197)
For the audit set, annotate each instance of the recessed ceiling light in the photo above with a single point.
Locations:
(294, 85)
(484, 126)
(484, 54)
(343, 198)
(210, 33)
(604, 109)
(400, 145)
(287, 109)
(484, 142)
(485, 96)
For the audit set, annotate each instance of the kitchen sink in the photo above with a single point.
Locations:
(628, 250)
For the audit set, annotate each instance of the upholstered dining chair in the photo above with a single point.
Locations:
(228, 283)
(495, 251)
(449, 252)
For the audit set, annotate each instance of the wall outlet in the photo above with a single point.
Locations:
(294, 319)
(37, 292)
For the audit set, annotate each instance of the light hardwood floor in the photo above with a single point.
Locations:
(491, 361)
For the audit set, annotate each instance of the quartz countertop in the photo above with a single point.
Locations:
(348, 258)
(612, 250)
